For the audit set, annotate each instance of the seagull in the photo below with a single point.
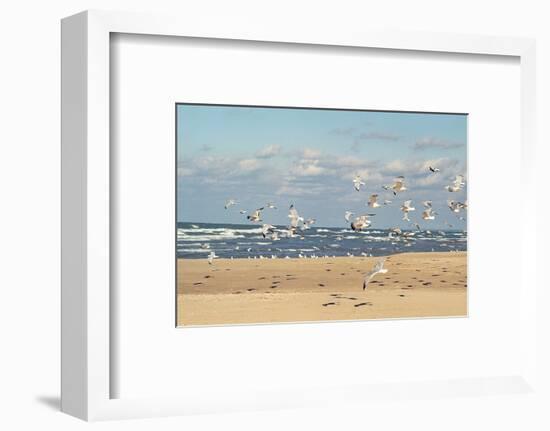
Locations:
(396, 231)
(457, 184)
(361, 222)
(387, 202)
(434, 170)
(427, 204)
(398, 185)
(230, 202)
(242, 211)
(205, 246)
(275, 236)
(290, 232)
(456, 206)
(270, 205)
(358, 182)
(406, 208)
(308, 223)
(211, 257)
(267, 228)
(372, 201)
(377, 269)
(256, 216)
(348, 215)
(294, 217)
(428, 214)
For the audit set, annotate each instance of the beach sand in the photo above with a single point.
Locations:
(296, 290)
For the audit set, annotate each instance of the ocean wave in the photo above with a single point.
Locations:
(207, 238)
(220, 230)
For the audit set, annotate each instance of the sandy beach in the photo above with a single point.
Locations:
(295, 290)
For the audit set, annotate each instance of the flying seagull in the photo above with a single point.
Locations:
(434, 170)
(307, 223)
(242, 211)
(348, 215)
(256, 215)
(294, 217)
(290, 232)
(428, 214)
(406, 208)
(267, 228)
(398, 185)
(271, 205)
(230, 202)
(211, 257)
(457, 184)
(456, 206)
(377, 269)
(373, 201)
(358, 182)
(395, 231)
(361, 222)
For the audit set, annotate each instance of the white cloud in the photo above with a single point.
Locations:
(307, 168)
(310, 153)
(249, 165)
(269, 151)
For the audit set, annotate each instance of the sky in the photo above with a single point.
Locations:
(309, 157)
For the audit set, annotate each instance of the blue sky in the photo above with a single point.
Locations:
(309, 157)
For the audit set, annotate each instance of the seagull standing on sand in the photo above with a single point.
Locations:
(377, 269)
(373, 201)
(256, 215)
(406, 208)
(230, 202)
(358, 182)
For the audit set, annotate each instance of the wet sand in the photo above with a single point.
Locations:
(296, 290)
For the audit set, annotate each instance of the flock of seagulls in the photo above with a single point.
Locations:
(361, 222)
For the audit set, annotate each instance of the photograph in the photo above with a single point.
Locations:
(304, 214)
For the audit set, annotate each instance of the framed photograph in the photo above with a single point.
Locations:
(323, 224)
(246, 209)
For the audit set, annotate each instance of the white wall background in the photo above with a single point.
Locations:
(29, 209)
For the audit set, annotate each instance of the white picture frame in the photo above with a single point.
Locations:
(86, 312)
